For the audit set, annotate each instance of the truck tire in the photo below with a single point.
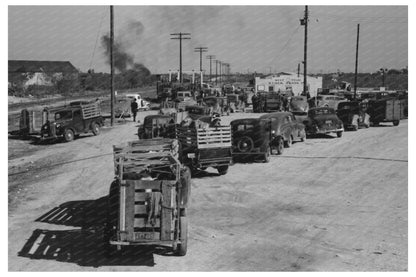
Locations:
(112, 219)
(266, 157)
(185, 190)
(183, 236)
(69, 135)
(339, 134)
(280, 146)
(303, 135)
(396, 122)
(223, 169)
(288, 143)
(95, 128)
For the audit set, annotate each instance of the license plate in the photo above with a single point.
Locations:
(328, 122)
(142, 236)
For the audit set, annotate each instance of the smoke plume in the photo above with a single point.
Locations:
(123, 58)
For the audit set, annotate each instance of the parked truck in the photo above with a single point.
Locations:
(201, 148)
(70, 121)
(384, 110)
(149, 197)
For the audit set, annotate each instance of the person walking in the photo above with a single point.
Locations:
(134, 107)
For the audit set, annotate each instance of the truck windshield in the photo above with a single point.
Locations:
(63, 115)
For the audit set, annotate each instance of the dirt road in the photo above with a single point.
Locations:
(327, 204)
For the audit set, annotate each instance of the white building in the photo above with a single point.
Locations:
(288, 82)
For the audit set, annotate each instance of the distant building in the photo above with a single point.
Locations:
(24, 73)
(285, 81)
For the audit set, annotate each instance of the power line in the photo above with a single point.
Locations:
(287, 42)
(96, 39)
(354, 19)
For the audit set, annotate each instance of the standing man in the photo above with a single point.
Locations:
(134, 107)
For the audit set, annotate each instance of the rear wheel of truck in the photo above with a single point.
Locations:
(339, 134)
(112, 218)
(396, 122)
(223, 169)
(280, 146)
(95, 128)
(69, 135)
(288, 143)
(266, 157)
(183, 236)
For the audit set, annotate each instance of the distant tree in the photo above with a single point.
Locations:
(393, 71)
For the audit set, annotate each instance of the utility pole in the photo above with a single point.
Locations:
(298, 69)
(356, 62)
(112, 63)
(180, 36)
(210, 57)
(304, 22)
(216, 71)
(201, 50)
(220, 70)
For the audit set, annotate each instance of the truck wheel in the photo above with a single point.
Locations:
(112, 219)
(280, 146)
(267, 154)
(185, 190)
(95, 128)
(69, 135)
(183, 235)
(396, 122)
(303, 136)
(288, 143)
(223, 169)
(339, 134)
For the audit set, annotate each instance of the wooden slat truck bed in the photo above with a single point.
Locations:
(150, 186)
(203, 138)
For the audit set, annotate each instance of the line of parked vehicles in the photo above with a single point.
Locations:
(149, 196)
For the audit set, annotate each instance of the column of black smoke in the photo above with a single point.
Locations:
(123, 60)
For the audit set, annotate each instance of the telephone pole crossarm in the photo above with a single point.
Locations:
(201, 50)
(180, 37)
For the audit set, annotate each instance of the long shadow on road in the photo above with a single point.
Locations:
(84, 246)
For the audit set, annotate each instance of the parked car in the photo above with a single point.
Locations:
(184, 99)
(157, 126)
(299, 105)
(330, 101)
(323, 121)
(196, 112)
(353, 114)
(258, 138)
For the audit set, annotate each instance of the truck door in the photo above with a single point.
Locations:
(78, 122)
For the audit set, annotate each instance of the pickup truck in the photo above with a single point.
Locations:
(70, 121)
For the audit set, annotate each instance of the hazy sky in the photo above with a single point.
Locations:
(248, 37)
